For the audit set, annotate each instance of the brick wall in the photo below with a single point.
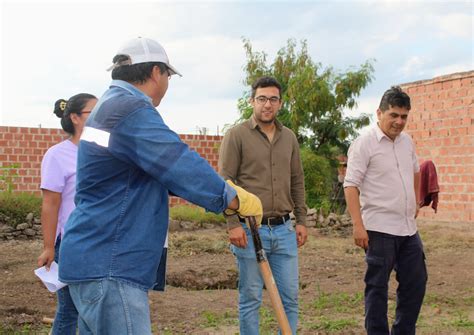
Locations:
(441, 123)
(25, 148)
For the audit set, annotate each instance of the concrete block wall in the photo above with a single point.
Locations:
(441, 123)
(25, 147)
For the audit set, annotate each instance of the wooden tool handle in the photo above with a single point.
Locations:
(275, 298)
(269, 280)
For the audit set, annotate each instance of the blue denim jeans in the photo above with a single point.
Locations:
(112, 307)
(65, 320)
(404, 254)
(279, 243)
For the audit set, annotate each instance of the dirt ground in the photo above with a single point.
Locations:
(331, 295)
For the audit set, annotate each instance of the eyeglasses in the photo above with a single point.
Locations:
(262, 100)
(85, 112)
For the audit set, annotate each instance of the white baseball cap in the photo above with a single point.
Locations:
(143, 50)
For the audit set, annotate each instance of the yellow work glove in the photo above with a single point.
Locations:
(249, 204)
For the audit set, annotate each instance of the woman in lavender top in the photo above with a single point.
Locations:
(58, 185)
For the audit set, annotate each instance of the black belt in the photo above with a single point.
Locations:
(272, 221)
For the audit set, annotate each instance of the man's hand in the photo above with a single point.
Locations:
(238, 237)
(46, 258)
(361, 238)
(301, 235)
(249, 204)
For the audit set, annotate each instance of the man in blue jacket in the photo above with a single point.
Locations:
(128, 162)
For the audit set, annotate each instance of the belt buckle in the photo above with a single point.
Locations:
(270, 219)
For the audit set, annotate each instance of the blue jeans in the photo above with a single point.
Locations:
(65, 320)
(279, 243)
(112, 307)
(404, 254)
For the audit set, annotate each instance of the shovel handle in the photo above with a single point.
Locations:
(268, 279)
(257, 242)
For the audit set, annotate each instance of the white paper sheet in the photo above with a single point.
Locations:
(50, 278)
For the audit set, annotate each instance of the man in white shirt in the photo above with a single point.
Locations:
(382, 191)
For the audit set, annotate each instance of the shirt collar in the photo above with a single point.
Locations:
(131, 89)
(254, 124)
(380, 134)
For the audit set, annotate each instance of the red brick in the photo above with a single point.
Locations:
(448, 84)
(455, 103)
(463, 92)
(467, 81)
(437, 86)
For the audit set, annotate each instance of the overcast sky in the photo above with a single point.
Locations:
(53, 50)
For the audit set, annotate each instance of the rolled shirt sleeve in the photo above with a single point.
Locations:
(357, 163)
(297, 185)
(228, 166)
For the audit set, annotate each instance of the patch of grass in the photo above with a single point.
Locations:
(211, 319)
(26, 329)
(445, 237)
(190, 244)
(436, 300)
(340, 301)
(214, 320)
(268, 322)
(460, 321)
(14, 207)
(328, 324)
(195, 214)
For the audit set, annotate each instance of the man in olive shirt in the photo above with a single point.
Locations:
(262, 156)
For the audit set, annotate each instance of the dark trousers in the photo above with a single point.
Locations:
(404, 254)
(65, 320)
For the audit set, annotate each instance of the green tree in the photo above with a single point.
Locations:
(314, 97)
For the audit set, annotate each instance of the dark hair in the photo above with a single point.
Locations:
(136, 73)
(394, 97)
(75, 104)
(265, 82)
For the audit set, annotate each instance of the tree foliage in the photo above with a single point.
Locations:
(314, 97)
(318, 177)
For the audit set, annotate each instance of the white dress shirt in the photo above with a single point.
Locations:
(383, 170)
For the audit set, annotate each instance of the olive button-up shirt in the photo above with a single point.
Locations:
(270, 170)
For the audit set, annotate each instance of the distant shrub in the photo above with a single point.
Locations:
(8, 173)
(16, 206)
(318, 179)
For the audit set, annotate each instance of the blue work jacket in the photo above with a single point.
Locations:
(128, 162)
